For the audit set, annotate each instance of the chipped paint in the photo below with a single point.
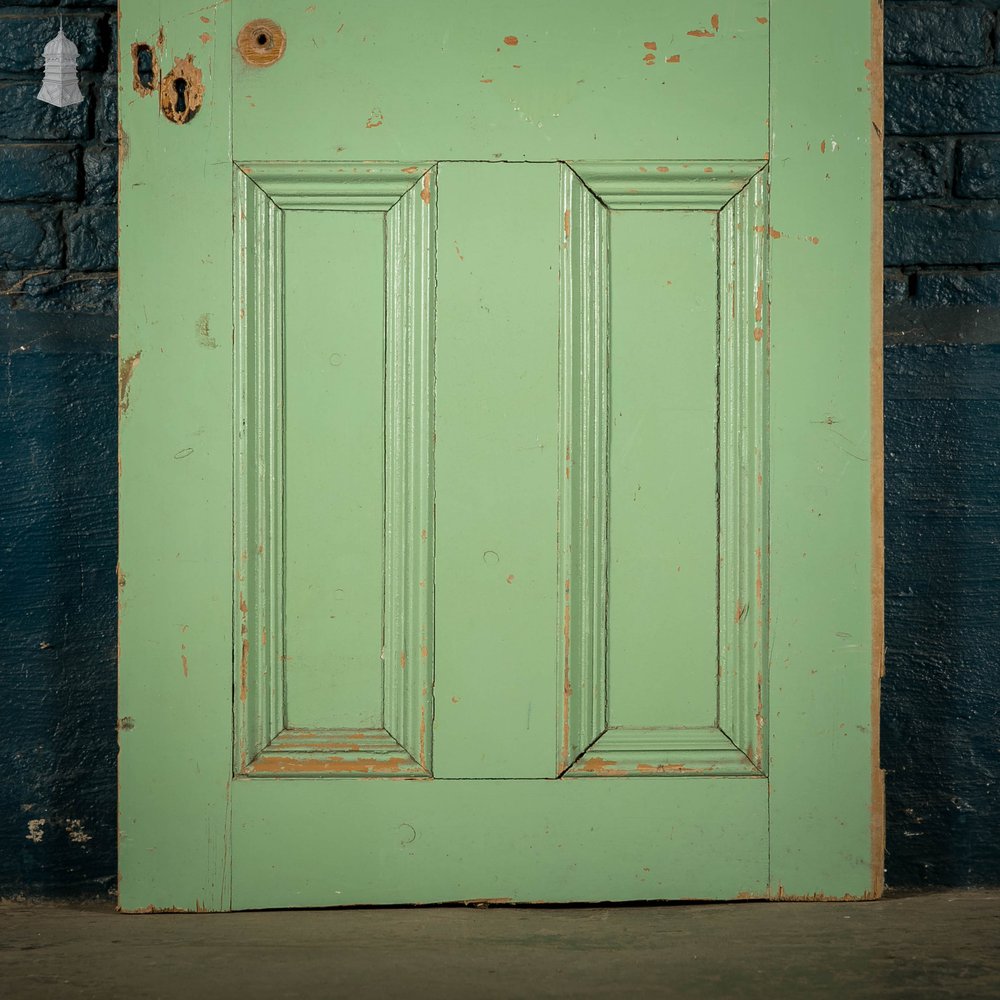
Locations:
(706, 32)
(601, 766)
(201, 328)
(315, 764)
(126, 370)
(182, 91)
(664, 769)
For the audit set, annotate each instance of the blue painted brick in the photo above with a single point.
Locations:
(106, 116)
(23, 116)
(29, 238)
(58, 595)
(38, 173)
(56, 291)
(916, 168)
(895, 287)
(918, 233)
(92, 239)
(24, 38)
(959, 288)
(978, 172)
(941, 103)
(100, 171)
(937, 34)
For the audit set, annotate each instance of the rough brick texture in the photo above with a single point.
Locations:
(58, 301)
(978, 168)
(918, 168)
(58, 166)
(938, 34)
(942, 158)
(942, 297)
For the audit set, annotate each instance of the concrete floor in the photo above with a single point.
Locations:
(927, 945)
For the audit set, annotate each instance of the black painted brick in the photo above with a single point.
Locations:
(958, 288)
(58, 593)
(941, 692)
(941, 103)
(895, 287)
(938, 34)
(978, 168)
(931, 234)
(30, 238)
(92, 239)
(918, 168)
(24, 117)
(25, 36)
(100, 171)
(55, 290)
(106, 114)
(38, 172)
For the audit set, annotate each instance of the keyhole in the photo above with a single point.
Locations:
(144, 66)
(262, 40)
(180, 104)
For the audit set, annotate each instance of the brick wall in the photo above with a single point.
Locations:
(58, 507)
(942, 166)
(941, 697)
(941, 694)
(58, 170)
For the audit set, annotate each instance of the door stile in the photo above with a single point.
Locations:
(175, 483)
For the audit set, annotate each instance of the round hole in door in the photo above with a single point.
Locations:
(261, 42)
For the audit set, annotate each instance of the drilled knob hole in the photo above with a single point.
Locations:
(261, 42)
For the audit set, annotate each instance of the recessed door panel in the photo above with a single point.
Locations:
(663, 514)
(334, 371)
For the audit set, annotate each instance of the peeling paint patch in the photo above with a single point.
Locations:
(707, 32)
(125, 372)
(375, 119)
(36, 830)
(76, 832)
(204, 338)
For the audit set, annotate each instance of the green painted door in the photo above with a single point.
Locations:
(500, 452)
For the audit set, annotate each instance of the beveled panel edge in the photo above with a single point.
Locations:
(705, 185)
(743, 469)
(408, 579)
(344, 186)
(334, 753)
(663, 753)
(258, 605)
(582, 511)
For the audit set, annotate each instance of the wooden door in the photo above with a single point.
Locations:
(500, 452)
